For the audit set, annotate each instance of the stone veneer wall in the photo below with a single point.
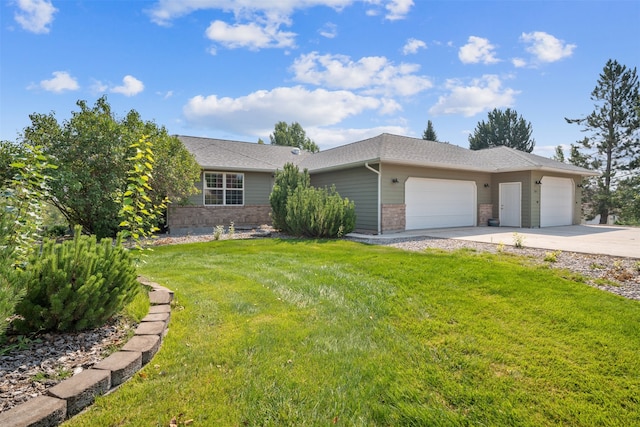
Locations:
(198, 219)
(485, 212)
(394, 217)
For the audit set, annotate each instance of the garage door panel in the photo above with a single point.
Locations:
(556, 201)
(438, 203)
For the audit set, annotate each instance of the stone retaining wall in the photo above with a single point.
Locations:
(72, 395)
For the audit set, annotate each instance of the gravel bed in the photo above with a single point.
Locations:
(29, 366)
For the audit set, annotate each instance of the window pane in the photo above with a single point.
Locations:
(234, 197)
(235, 180)
(213, 180)
(213, 197)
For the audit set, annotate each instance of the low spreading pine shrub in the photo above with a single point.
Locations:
(76, 285)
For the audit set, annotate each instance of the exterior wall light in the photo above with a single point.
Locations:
(538, 182)
(394, 180)
(486, 185)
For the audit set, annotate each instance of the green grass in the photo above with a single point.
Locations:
(319, 333)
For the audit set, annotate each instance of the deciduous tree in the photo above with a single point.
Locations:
(503, 128)
(292, 136)
(92, 149)
(613, 146)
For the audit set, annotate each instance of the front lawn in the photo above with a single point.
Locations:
(301, 332)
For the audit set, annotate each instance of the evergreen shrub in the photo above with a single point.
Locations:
(75, 285)
(300, 209)
(319, 212)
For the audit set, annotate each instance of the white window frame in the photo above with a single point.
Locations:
(224, 188)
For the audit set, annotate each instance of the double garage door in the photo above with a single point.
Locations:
(439, 203)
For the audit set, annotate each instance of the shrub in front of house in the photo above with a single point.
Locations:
(300, 209)
(75, 285)
(319, 212)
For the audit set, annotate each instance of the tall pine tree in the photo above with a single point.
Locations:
(613, 146)
(503, 128)
(429, 133)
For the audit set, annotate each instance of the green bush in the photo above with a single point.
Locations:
(285, 184)
(75, 285)
(10, 291)
(302, 210)
(319, 212)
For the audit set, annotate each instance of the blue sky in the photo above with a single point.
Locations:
(345, 70)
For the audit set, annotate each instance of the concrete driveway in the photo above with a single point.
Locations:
(593, 239)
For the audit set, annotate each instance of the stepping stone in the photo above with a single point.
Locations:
(122, 365)
(151, 328)
(148, 345)
(81, 390)
(42, 411)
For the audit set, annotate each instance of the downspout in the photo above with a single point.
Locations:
(366, 165)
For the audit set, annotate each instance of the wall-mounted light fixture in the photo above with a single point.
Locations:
(579, 185)
(538, 182)
(394, 180)
(486, 185)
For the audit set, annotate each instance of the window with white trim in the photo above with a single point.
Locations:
(221, 188)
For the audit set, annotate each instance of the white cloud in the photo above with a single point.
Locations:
(482, 94)
(35, 15)
(257, 112)
(130, 86)
(519, 62)
(545, 47)
(252, 35)
(398, 9)
(372, 74)
(61, 81)
(477, 50)
(329, 30)
(164, 11)
(412, 46)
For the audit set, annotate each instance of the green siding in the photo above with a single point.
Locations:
(358, 184)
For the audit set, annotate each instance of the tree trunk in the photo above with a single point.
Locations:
(604, 216)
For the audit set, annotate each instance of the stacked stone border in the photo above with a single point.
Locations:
(74, 394)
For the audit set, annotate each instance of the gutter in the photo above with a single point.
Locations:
(366, 165)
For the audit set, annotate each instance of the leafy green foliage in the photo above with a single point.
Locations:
(286, 182)
(92, 149)
(21, 200)
(292, 136)
(613, 146)
(76, 285)
(138, 212)
(319, 212)
(503, 128)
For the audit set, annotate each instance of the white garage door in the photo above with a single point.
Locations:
(556, 201)
(439, 203)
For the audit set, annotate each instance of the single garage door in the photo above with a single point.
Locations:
(556, 201)
(439, 203)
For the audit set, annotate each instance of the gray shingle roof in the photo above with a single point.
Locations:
(220, 154)
(233, 155)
